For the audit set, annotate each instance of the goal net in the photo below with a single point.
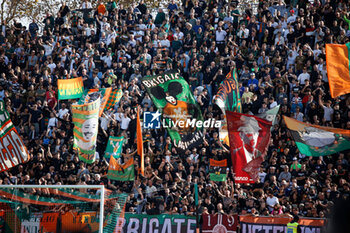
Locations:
(60, 208)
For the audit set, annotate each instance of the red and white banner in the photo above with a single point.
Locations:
(12, 148)
(251, 224)
(249, 139)
(219, 223)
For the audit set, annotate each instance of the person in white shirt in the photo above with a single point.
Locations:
(271, 200)
(328, 110)
(194, 156)
(303, 76)
(164, 42)
(243, 32)
(279, 40)
(86, 5)
(179, 34)
(107, 58)
(124, 120)
(63, 111)
(52, 121)
(299, 116)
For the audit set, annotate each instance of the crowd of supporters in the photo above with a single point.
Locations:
(279, 56)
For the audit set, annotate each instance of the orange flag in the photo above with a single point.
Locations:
(337, 58)
(139, 140)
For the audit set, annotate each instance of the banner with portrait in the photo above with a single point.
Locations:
(85, 119)
(249, 139)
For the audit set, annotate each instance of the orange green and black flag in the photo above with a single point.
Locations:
(315, 140)
(338, 68)
(114, 98)
(218, 170)
(121, 172)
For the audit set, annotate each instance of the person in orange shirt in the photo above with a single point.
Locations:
(101, 8)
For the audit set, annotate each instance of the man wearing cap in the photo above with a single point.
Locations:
(253, 81)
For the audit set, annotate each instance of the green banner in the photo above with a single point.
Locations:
(141, 223)
(114, 147)
(85, 119)
(181, 114)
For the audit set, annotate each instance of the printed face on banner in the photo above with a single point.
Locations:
(89, 128)
(249, 132)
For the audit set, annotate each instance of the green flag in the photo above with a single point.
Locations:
(114, 147)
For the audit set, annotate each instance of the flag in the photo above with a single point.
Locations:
(173, 97)
(85, 119)
(315, 140)
(196, 194)
(228, 98)
(140, 140)
(249, 139)
(218, 170)
(270, 114)
(121, 172)
(12, 149)
(90, 95)
(337, 58)
(70, 88)
(114, 98)
(114, 147)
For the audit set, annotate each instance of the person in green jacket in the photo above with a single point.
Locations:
(160, 17)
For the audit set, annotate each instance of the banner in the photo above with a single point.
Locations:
(114, 147)
(228, 98)
(90, 95)
(251, 224)
(141, 223)
(218, 170)
(121, 172)
(85, 222)
(315, 140)
(12, 148)
(212, 223)
(337, 58)
(180, 112)
(249, 139)
(70, 88)
(114, 98)
(85, 119)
